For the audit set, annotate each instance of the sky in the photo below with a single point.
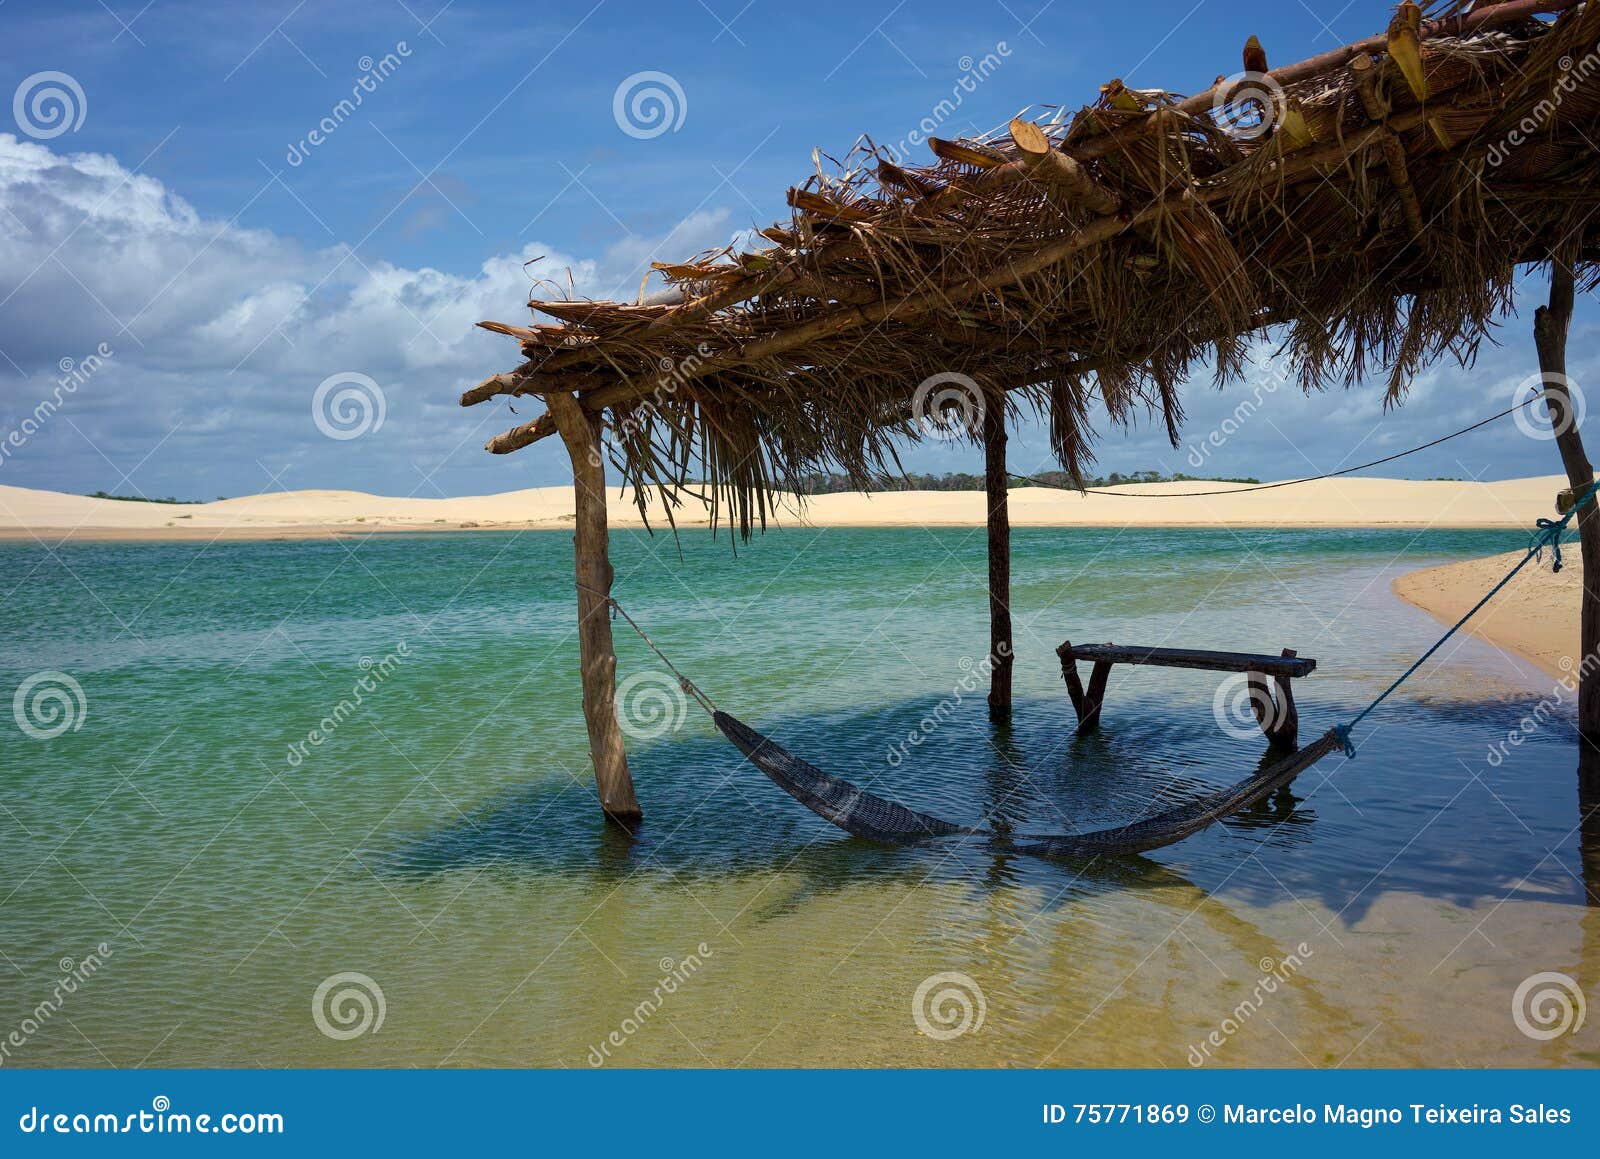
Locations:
(212, 299)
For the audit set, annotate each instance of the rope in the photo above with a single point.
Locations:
(1547, 533)
(704, 701)
(1287, 482)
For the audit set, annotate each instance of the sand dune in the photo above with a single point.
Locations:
(52, 516)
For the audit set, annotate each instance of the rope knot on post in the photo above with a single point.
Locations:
(1549, 532)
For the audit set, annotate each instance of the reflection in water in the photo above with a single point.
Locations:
(1589, 818)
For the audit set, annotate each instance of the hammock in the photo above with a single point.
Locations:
(874, 818)
(869, 816)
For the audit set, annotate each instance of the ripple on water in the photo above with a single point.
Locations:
(442, 837)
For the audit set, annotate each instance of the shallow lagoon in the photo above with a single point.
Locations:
(444, 839)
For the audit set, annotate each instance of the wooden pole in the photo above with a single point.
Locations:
(1550, 325)
(581, 433)
(1001, 650)
(1589, 821)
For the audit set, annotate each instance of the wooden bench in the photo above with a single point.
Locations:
(1274, 710)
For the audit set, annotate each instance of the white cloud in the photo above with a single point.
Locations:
(221, 334)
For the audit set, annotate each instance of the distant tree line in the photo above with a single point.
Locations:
(140, 498)
(820, 484)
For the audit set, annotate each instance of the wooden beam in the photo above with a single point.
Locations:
(525, 380)
(597, 656)
(1492, 16)
(523, 436)
(1043, 162)
(978, 156)
(1550, 326)
(1002, 651)
(1394, 153)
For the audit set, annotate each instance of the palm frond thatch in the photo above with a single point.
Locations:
(1101, 258)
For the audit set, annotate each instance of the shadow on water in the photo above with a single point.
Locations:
(740, 825)
(1421, 810)
(711, 814)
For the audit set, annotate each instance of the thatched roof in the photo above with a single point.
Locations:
(1372, 203)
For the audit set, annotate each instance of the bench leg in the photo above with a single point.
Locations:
(1286, 735)
(1095, 697)
(1069, 673)
(1274, 707)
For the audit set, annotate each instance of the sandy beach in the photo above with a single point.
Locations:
(1535, 616)
(51, 516)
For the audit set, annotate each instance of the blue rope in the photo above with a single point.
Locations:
(1547, 533)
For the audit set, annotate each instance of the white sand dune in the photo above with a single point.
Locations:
(52, 516)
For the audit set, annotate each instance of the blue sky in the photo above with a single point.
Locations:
(229, 279)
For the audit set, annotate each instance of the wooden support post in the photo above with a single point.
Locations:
(1262, 706)
(1550, 324)
(580, 431)
(1285, 731)
(1001, 650)
(1273, 705)
(1086, 704)
(1589, 821)
(1095, 698)
(1069, 673)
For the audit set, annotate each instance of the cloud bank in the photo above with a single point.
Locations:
(181, 354)
(219, 336)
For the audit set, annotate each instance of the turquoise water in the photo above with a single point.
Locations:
(442, 837)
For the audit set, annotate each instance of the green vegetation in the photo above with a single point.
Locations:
(139, 498)
(960, 481)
